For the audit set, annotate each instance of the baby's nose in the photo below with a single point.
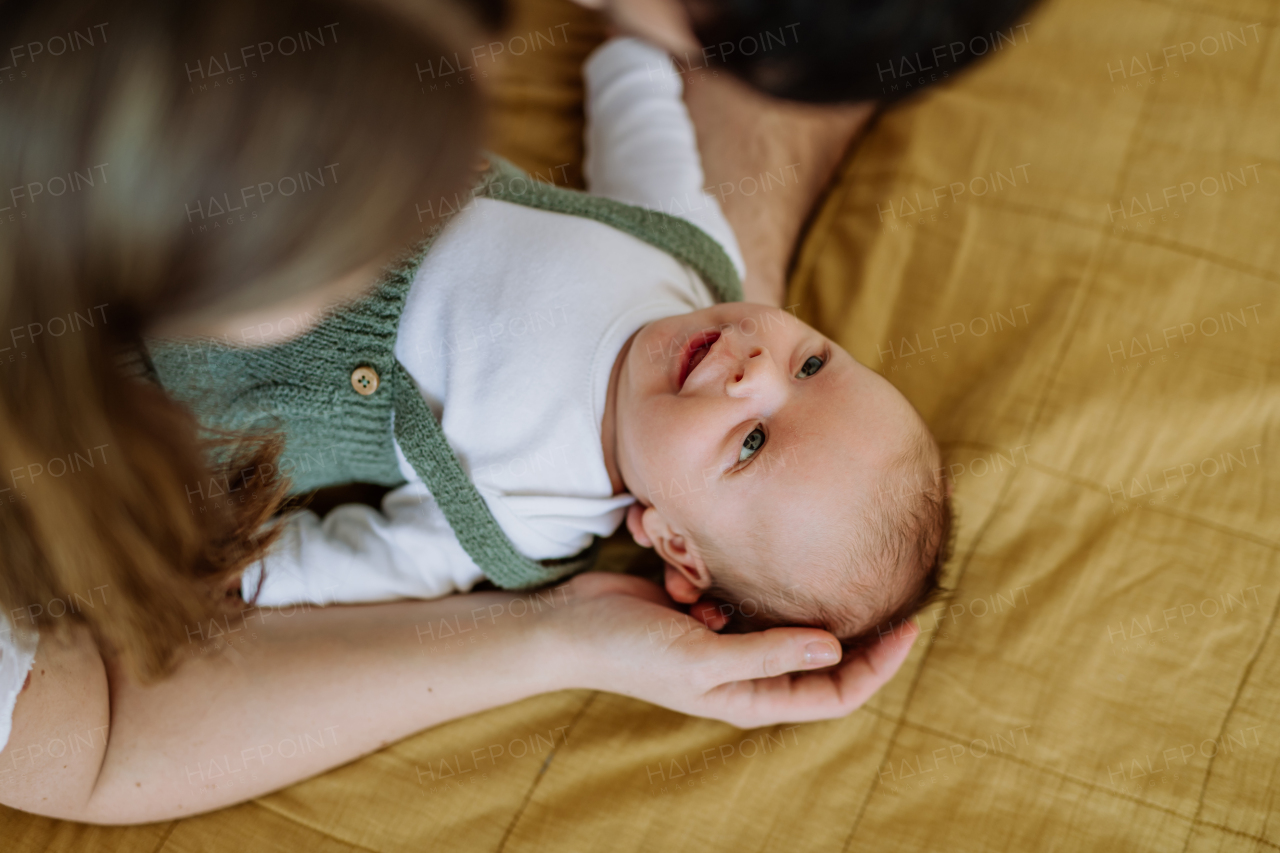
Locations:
(752, 355)
(754, 374)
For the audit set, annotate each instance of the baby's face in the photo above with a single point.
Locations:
(743, 424)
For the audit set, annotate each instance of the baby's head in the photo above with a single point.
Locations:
(776, 474)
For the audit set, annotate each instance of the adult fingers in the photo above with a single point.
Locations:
(601, 584)
(862, 676)
(763, 654)
(819, 695)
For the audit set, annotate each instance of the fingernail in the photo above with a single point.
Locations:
(821, 654)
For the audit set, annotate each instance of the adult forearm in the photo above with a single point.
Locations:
(276, 698)
(768, 162)
(268, 710)
(281, 697)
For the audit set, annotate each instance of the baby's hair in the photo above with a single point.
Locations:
(936, 541)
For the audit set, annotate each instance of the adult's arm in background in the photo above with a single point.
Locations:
(743, 134)
(90, 743)
(640, 143)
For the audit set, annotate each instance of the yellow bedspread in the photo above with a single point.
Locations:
(1068, 262)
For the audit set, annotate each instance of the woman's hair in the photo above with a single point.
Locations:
(853, 50)
(160, 159)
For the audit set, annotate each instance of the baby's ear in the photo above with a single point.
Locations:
(635, 524)
(651, 530)
(678, 585)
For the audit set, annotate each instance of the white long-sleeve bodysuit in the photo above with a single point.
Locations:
(510, 329)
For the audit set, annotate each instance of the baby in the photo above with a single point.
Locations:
(774, 473)
(582, 375)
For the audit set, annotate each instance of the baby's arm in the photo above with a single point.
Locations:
(641, 147)
(357, 554)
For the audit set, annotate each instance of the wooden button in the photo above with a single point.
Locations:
(364, 380)
(482, 165)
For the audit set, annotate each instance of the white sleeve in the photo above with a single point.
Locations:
(640, 144)
(17, 653)
(357, 554)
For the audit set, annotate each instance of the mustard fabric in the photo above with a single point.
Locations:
(1107, 672)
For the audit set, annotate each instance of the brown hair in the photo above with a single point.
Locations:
(164, 159)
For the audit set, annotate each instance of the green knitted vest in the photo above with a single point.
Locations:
(303, 389)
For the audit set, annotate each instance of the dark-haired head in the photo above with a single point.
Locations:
(826, 51)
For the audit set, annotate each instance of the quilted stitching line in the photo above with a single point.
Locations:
(1194, 819)
(1142, 122)
(1092, 786)
(1076, 309)
(1051, 771)
(1244, 679)
(1238, 833)
(164, 839)
(263, 804)
(1208, 12)
(915, 681)
(528, 796)
(1059, 218)
(1217, 527)
(1199, 254)
(1050, 214)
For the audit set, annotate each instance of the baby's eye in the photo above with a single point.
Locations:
(753, 442)
(811, 366)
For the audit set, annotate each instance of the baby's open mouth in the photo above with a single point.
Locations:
(695, 351)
